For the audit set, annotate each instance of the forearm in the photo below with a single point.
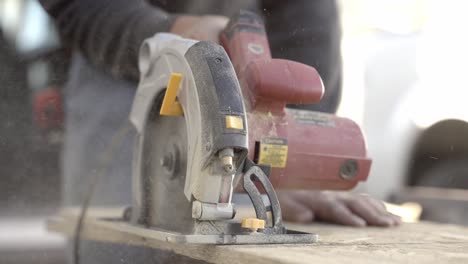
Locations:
(108, 32)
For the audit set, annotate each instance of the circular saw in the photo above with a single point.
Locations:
(212, 120)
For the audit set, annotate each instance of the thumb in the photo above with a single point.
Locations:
(293, 211)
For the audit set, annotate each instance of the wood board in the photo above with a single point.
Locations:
(439, 204)
(411, 243)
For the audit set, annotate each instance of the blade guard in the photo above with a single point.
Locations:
(209, 95)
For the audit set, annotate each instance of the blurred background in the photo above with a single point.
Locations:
(404, 63)
(32, 70)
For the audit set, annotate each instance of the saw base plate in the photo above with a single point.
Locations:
(256, 238)
(292, 237)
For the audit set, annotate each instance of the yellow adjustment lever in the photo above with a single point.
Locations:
(170, 106)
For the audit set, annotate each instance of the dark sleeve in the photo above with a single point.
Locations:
(108, 32)
(308, 31)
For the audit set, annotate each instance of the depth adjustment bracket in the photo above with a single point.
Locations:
(255, 173)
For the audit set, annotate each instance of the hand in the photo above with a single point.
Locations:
(336, 207)
(205, 28)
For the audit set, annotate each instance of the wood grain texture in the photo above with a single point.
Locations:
(410, 243)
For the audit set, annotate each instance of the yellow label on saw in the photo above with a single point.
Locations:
(273, 152)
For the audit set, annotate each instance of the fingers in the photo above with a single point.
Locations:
(293, 210)
(206, 28)
(396, 219)
(183, 23)
(337, 212)
(379, 204)
(325, 206)
(373, 213)
(216, 22)
(340, 208)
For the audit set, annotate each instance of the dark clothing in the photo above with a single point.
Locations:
(109, 32)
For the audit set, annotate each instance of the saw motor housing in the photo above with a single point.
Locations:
(305, 149)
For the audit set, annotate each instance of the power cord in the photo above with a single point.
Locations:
(105, 161)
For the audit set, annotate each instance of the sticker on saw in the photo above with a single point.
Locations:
(273, 152)
(312, 118)
(255, 48)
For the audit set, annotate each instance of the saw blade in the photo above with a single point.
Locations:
(164, 169)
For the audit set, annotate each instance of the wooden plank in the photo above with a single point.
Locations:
(455, 195)
(439, 204)
(415, 243)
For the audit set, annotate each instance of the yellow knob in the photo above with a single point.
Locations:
(253, 224)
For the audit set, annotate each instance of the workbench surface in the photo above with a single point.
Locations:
(410, 243)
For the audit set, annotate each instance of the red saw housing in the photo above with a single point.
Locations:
(306, 150)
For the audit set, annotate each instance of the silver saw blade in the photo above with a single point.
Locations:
(164, 170)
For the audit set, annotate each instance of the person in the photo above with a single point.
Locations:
(107, 34)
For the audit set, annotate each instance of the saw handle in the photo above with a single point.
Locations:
(263, 79)
(245, 40)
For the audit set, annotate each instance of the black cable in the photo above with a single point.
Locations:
(106, 158)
